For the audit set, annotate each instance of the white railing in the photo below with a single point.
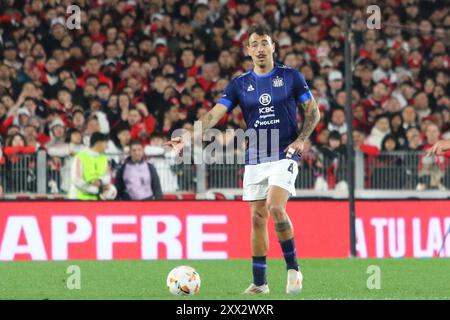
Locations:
(395, 171)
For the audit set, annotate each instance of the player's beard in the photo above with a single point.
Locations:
(261, 63)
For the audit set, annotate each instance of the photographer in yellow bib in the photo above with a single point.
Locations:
(90, 172)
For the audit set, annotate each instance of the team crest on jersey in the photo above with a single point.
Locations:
(265, 99)
(250, 88)
(277, 82)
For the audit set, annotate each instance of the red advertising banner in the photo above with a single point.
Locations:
(402, 228)
(215, 230)
(159, 230)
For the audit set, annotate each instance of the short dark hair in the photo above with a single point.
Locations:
(157, 135)
(381, 116)
(107, 44)
(91, 76)
(333, 110)
(334, 135)
(70, 132)
(198, 86)
(98, 137)
(10, 139)
(136, 143)
(259, 29)
(133, 109)
(122, 127)
(34, 100)
(102, 84)
(186, 49)
(64, 89)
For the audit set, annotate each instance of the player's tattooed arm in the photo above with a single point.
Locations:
(213, 116)
(312, 118)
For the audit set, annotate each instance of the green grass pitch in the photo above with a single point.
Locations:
(225, 280)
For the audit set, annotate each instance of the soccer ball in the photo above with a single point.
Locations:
(183, 281)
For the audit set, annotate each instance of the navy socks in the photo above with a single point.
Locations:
(260, 266)
(259, 270)
(289, 253)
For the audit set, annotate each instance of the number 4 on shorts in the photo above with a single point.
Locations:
(291, 168)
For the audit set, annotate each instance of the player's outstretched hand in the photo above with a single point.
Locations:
(294, 148)
(439, 147)
(176, 144)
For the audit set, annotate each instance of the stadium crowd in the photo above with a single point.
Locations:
(139, 69)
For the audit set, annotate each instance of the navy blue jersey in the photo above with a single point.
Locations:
(268, 101)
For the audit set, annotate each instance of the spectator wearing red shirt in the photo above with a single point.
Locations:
(41, 138)
(431, 168)
(31, 134)
(360, 118)
(127, 24)
(209, 75)
(326, 17)
(141, 122)
(94, 30)
(186, 66)
(17, 144)
(93, 69)
(378, 96)
(16, 160)
(5, 119)
(76, 59)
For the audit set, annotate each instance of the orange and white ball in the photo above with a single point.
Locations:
(183, 281)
